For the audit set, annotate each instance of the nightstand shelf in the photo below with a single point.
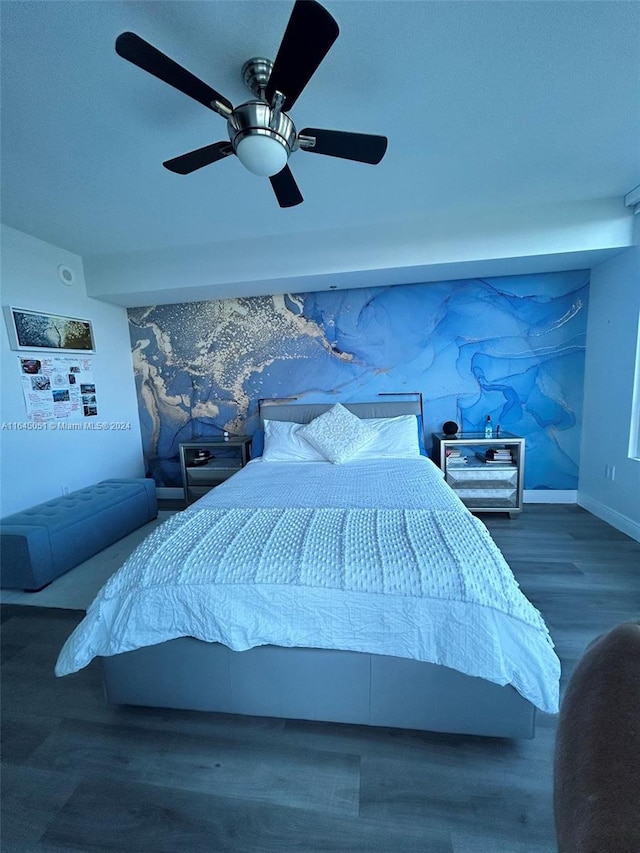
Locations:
(207, 462)
(493, 486)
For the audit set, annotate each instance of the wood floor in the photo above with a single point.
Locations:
(78, 775)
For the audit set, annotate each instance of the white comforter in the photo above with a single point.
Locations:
(373, 556)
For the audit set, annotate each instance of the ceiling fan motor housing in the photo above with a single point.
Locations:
(257, 119)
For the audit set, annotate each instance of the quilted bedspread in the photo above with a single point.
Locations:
(424, 582)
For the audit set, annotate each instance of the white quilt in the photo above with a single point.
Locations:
(376, 556)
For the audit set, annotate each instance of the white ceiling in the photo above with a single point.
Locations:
(488, 106)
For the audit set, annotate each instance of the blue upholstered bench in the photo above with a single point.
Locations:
(39, 544)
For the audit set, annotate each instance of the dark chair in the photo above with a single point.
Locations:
(597, 755)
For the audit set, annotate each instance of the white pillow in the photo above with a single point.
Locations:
(395, 438)
(337, 434)
(283, 444)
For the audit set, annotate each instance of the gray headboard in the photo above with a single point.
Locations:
(287, 409)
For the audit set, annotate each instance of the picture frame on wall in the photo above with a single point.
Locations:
(37, 330)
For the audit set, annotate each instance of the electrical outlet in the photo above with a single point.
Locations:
(65, 490)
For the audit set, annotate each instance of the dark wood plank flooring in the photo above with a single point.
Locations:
(78, 775)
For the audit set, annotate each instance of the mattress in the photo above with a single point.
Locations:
(376, 556)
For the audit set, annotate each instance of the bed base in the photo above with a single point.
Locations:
(316, 684)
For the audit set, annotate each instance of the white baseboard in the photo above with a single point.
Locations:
(550, 496)
(611, 516)
(169, 493)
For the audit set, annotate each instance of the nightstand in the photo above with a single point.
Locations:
(207, 462)
(487, 474)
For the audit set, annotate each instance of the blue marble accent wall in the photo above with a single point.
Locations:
(512, 347)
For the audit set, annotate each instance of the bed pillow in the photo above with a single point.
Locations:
(283, 444)
(395, 438)
(337, 434)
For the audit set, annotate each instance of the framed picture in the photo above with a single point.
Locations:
(34, 330)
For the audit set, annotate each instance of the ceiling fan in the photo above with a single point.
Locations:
(261, 133)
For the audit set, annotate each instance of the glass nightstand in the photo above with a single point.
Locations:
(487, 474)
(207, 462)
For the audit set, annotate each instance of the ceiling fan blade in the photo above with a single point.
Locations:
(285, 187)
(362, 147)
(187, 163)
(138, 51)
(307, 39)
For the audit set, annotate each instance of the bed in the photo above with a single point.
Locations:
(355, 589)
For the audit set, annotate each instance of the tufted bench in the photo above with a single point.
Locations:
(39, 544)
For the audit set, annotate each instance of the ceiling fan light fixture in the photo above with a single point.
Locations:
(262, 154)
(262, 139)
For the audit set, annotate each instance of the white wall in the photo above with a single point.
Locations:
(433, 247)
(35, 465)
(612, 335)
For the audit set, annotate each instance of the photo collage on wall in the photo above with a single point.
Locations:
(58, 388)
